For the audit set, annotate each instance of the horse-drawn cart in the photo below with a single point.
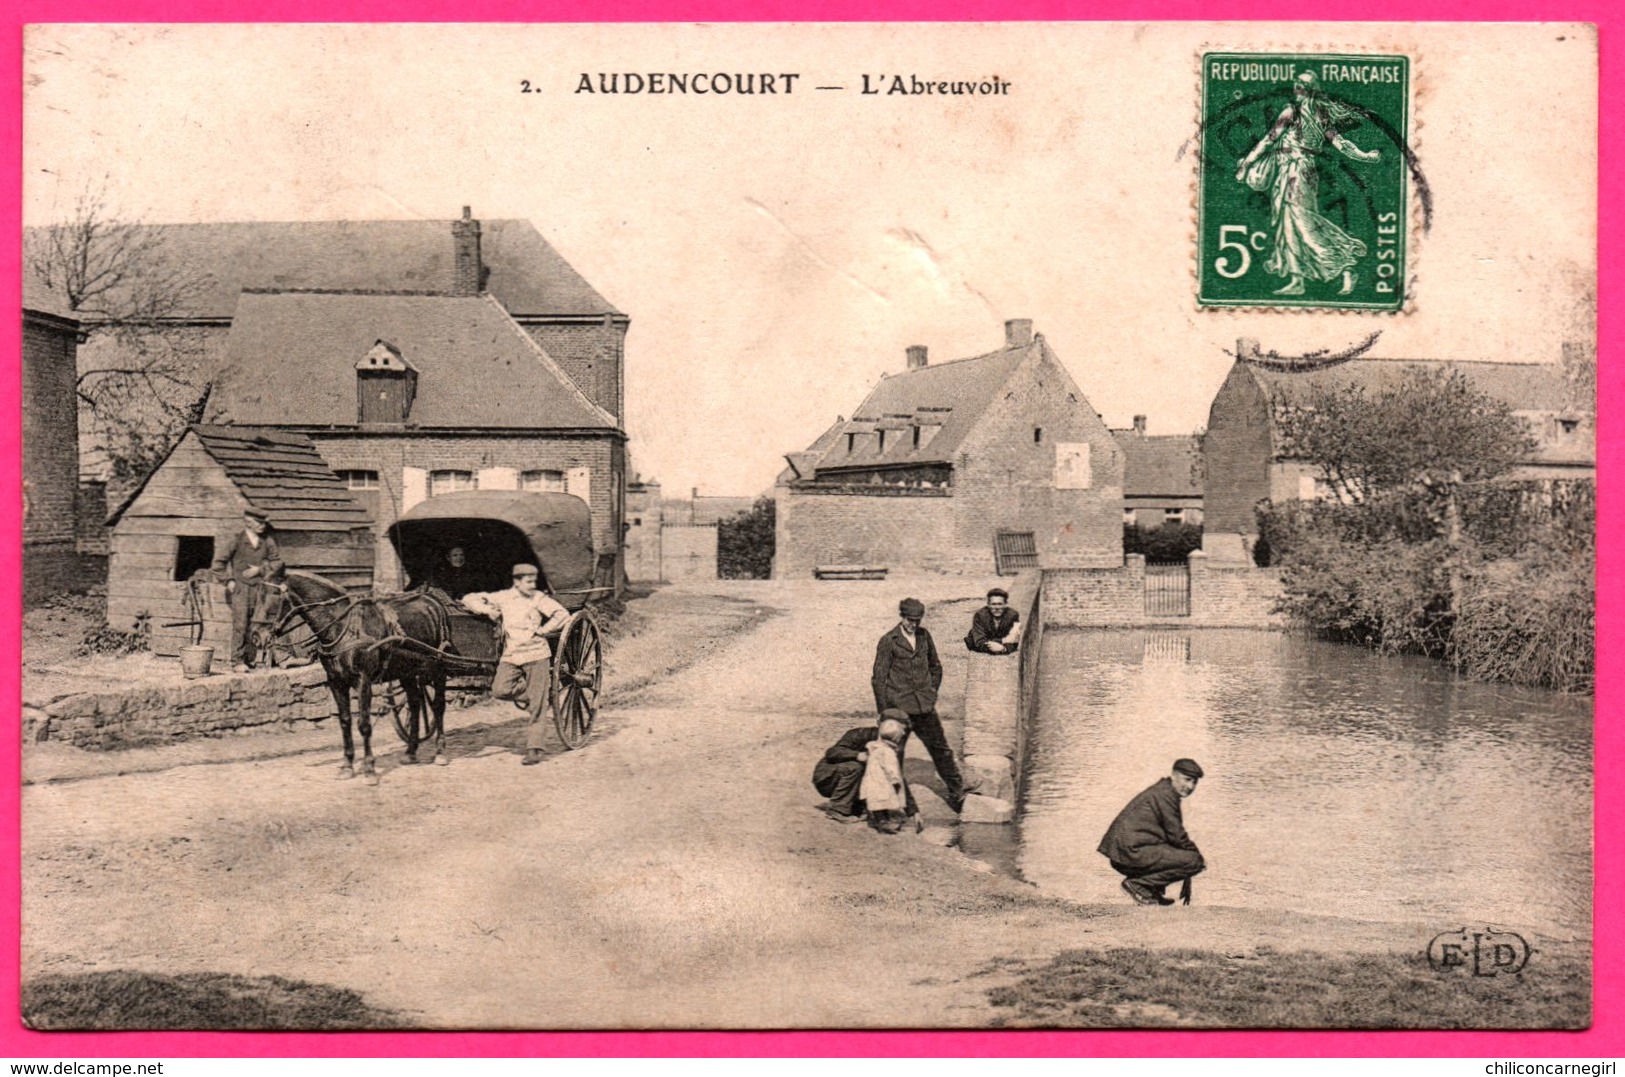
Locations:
(494, 531)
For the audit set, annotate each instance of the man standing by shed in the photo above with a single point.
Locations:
(1147, 843)
(906, 676)
(249, 562)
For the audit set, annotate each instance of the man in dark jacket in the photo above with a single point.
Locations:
(247, 564)
(1147, 843)
(907, 674)
(992, 628)
(839, 775)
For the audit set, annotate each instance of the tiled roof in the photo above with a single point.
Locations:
(1161, 466)
(527, 275)
(1536, 391)
(952, 394)
(1525, 386)
(290, 361)
(279, 473)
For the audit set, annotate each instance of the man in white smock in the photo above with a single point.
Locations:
(524, 674)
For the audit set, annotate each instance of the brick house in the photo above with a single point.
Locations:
(1247, 459)
(509, 259)
(1162, 477)
(939, 459)
(50, 420)
(407, 395)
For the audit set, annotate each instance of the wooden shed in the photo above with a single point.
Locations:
(188, 508)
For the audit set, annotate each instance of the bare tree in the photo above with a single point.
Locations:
(143, 375)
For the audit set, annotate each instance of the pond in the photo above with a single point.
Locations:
(1339, 781)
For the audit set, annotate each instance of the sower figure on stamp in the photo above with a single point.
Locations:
(993, 628)
(248, 564)
(906, 675)
(1306, 244)
(525, 672)
(856, 780)
(1147, 843)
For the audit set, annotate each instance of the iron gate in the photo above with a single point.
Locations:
(1168, 590)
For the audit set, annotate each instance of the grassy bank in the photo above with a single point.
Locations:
(1139, 987)
(194, 1001)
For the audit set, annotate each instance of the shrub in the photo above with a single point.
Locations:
(1170, 542)
(745, 543)
(1529, 621)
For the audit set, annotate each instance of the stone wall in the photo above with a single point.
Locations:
(688, 552)
(906, 531)
(1234, 596)
(161, 714)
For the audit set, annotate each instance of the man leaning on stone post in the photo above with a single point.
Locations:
(907, 674)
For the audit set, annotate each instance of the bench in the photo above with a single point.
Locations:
(849, 572)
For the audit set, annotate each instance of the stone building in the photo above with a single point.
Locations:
(941, 459)
(1247, 459)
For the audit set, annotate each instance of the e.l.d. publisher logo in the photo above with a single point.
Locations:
(1482, 952)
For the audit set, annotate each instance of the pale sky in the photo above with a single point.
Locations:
(777, 253)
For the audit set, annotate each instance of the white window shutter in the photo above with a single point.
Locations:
(498, 478)
(414, 486)
(578, 482)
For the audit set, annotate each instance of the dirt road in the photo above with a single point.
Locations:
(673, 873)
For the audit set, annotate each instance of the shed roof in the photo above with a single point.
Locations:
(279, 473)
(953, 394)
(1160, 466)
(527, 275)
(290, 360)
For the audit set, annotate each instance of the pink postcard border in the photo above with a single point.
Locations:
(1605, 1038)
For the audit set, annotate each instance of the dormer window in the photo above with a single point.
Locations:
(385, 385)
(851, 444)
(882, 436)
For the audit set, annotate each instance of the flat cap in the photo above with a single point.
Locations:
(256, 514)
(911, 607)
(525, 570)
(1188, 767)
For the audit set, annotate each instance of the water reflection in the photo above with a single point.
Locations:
(1339, 781)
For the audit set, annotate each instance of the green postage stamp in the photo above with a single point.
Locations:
(1303, 189)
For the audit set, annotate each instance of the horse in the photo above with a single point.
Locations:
(365, 640)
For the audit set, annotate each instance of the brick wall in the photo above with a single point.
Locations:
(390, 454)
(1233, 596)
(592, 355)
(1096, 596)
(49, 432)
(903, 533)
(1236, 455)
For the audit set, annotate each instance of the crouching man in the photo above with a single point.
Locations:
(857, 778)
(1147, 843)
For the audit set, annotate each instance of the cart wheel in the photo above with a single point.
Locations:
(578, 667)
(392, 697)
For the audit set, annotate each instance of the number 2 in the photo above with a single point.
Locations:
(524, 86)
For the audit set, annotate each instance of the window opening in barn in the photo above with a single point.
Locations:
(542, 482)
(882, 434)
(851, 444)
(1038, 435)
(1173, 516)
(449, 482)
(1568, 426)
(360, 480)
(192, 554)
(916, 437)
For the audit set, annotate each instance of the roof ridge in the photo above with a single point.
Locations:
(1312, 369)
(963, 359)
(380, 292)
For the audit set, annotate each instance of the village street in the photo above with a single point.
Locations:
(674, 872)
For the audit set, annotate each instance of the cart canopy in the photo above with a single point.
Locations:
(496, 530)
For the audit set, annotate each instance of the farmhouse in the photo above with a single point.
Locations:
(1247, 458)
(411, 395)
(943, 463)
(1162, 477)
(167, 533)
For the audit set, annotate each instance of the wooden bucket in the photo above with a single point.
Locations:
(195, 661)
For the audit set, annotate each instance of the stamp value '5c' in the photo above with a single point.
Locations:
(1302, 188)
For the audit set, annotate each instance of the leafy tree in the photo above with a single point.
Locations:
(745, 543)
(143, 375)
(1432, 426)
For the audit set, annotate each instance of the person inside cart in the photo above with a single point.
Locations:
(524, 673)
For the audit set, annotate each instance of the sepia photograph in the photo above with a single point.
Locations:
(809, 526)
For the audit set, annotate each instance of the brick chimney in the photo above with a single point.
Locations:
(468, 271)
(916, 356)
(1139, 425)
(1247, 349)
(1018, 332)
